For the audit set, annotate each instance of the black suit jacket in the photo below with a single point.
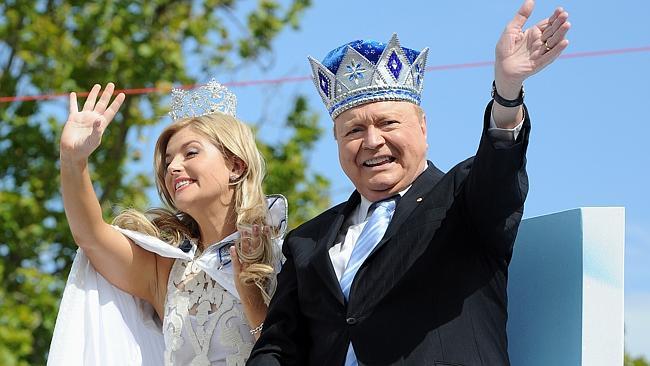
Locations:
(432, 292)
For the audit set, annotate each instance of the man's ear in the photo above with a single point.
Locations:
(422, 119)
(423, 124)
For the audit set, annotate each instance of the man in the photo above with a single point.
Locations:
(412, 269)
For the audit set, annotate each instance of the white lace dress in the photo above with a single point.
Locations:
(204, 324)
(98, 324)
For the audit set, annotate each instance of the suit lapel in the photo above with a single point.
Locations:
(328, 232)
(421, 186)
(381, 270)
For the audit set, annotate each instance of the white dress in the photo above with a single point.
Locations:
(98, 324)
(204, 324)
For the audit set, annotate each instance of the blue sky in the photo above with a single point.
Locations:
(590, 117)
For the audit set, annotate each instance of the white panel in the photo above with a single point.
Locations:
(603, 310)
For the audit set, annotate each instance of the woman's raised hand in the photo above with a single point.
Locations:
(83, 131)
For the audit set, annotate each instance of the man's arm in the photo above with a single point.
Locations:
(521, 53)
(494, 192)
(284, 337)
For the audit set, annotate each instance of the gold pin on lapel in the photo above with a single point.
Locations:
(419, 199)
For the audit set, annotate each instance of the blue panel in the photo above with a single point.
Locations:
(545, 292)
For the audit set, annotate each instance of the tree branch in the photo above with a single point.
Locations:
(12, 43)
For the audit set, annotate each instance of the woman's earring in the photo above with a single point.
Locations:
(233, 178)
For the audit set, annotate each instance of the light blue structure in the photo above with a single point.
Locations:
(565, 289)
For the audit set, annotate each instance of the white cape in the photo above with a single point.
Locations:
(99, 324)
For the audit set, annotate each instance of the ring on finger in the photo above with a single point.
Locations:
(548, 48)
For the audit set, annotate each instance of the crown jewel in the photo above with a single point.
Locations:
(361, 72)
(205, 99)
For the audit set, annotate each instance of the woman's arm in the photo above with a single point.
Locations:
(123, 263)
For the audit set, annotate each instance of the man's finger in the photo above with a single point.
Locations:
(522, 14)
(554, 25)
(559, 35)
(556, 13)
(552, 54)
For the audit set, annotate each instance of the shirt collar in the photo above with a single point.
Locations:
(365, 203)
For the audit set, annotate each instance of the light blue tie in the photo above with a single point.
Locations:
(370, 236)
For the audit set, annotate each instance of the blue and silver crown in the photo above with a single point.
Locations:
(365, 71)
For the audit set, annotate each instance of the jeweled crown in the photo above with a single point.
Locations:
(366, 71)
(202, 100)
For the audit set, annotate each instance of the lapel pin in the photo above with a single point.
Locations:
(419, 199)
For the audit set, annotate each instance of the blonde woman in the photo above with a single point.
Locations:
(188, 285)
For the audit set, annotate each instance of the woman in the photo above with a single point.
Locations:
(211, 295)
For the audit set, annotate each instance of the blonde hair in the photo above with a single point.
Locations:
(236, 141)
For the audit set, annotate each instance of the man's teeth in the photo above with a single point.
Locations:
(377, 161)
(182, 184)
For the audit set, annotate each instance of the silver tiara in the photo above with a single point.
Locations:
(202, 100)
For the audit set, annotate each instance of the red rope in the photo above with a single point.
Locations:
(294, 79)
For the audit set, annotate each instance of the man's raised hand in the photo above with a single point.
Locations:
(521, 53)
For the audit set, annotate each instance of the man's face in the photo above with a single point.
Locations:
(382, 147)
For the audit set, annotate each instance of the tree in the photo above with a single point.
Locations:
(287, 163)
(53, 46)
(635, 361)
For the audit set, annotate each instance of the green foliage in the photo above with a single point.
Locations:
(287, 164)
(635, 361)
(52, 46)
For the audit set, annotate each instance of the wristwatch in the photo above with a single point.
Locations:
(507, 102)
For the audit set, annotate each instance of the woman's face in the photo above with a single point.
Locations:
(197, 174)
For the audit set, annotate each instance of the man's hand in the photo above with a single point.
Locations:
(521, 53)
